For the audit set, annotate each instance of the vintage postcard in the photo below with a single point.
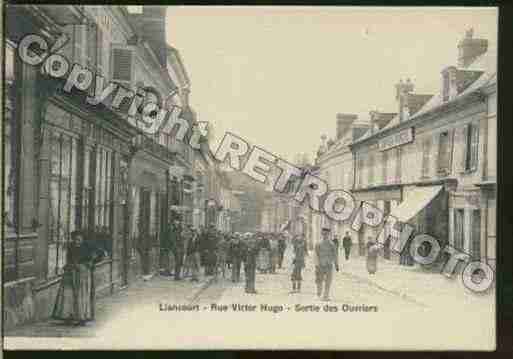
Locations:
(249, 177)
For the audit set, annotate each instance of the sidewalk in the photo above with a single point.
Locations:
(140, 293)
(415, 284)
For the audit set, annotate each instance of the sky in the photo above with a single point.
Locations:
(277, 76)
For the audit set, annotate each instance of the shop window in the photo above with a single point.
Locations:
(63, 192)
(426, 156)
(10, 152)
(471, 138)
(444, 153)
(458, 229)
(476, 235)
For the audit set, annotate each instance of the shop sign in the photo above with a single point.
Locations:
(398, 139)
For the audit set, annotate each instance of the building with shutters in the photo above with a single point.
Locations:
(74, 166)
(334, 164)
(437, 157)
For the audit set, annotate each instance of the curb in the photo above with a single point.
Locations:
(396, 293)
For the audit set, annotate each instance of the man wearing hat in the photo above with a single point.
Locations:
(325, 258)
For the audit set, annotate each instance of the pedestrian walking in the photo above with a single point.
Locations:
(372, 256)
(274, 254)
(282, 245)
(236, 254)
(178, 249)
(326, 257)
(347, 242)
(361, 246)
(336, 242)
(193, 256)
(222, 255)
(264, 255)
(187, 235)
(298, 263)
(250, 263)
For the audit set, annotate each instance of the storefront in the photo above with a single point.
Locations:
(152, 192)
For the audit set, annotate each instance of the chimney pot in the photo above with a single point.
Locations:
(470, 48)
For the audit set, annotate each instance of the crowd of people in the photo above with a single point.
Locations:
(218, 254)
(223, 254)
(226, 254)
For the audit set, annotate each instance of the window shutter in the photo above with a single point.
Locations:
(474, 148)
(99, 51)
(122, 65)
(463, 159)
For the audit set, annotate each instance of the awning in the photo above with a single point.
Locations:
(418, 199)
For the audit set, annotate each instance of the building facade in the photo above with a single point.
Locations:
(436, 159)
(74, 166)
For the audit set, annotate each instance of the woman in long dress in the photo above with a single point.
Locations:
(300, 252)
(74, 303)
(264, 256)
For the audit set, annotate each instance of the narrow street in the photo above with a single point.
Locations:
(136, 313)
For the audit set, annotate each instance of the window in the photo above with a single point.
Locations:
(398, 165)
(458, 229)
(426, 156)
(10, 153)
(471, 138)
(63, 192)
(122, 65)
(444, 153)
(88, 190)
(476, 235)
(359, 172)
(370, 170)
(103, 188)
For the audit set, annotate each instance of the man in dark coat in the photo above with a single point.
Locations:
(251, 254)
(347, 242)
(325, 258)
(282, 245)
(236, 253)
(178, 248)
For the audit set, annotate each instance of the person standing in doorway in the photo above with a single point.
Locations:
(347, 242)
(298, 263)
(326, 257)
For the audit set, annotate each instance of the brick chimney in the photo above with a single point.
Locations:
(470, 48)
(344, 122)
(402, 89)
(151, 25)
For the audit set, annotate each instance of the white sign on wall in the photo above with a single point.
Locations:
(398, 139)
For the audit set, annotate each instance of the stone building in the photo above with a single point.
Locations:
(437, 157)
(73, 166)
(334, 164)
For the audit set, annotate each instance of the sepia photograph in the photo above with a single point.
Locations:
(249, 177)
